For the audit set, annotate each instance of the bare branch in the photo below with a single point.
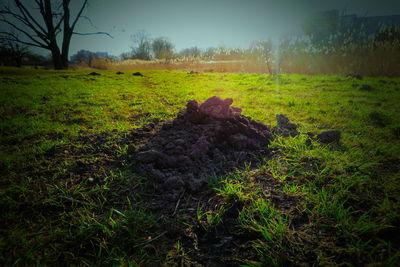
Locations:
(93, 33)
(57, 27)
(27, 15)
(38, 2)
(22, 31)
(89, 20)
(6, 36)
(78, 15)
(24, 20)
(17, 49)
(41, 6)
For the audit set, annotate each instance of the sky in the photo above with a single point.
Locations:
(206, 23)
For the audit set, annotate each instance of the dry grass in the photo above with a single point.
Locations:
(197, 66)
(301, 58)
(380, 61)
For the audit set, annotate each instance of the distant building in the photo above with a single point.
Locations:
(325, 25)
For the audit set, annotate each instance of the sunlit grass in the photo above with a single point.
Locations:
(350, 189)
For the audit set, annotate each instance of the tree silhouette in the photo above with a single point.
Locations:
(162, 48)
(142, 45)
(39, 23)
(14, 51)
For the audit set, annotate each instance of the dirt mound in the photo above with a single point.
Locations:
(94, 74)
(204, 140)
(137, 74)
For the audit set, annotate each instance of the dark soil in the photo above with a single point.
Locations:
(329, 137)
(184, 152)
(94, 74)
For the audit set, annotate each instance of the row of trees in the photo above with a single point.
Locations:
(145, 48)
(15, 54)
(12, 53)
(290, 54)
(88, 57)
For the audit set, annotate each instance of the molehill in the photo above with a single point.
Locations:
(204, 140)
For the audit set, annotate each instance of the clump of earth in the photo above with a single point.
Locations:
(205, 140)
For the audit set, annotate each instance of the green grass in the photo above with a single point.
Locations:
(348, 193)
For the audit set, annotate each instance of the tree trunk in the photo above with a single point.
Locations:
(64, 60)
(60, 61)
(65, 50)
(18, 61)
(57, 60)
(64, 63)
(67, 34)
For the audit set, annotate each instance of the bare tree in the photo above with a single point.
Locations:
(15, 51)
(162, 48)
(142, 45)
(266, 49)
(192, 52)
(43, 33)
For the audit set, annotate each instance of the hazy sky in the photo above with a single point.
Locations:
(206, 23)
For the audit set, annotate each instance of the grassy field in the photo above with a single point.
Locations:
(69, 194)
